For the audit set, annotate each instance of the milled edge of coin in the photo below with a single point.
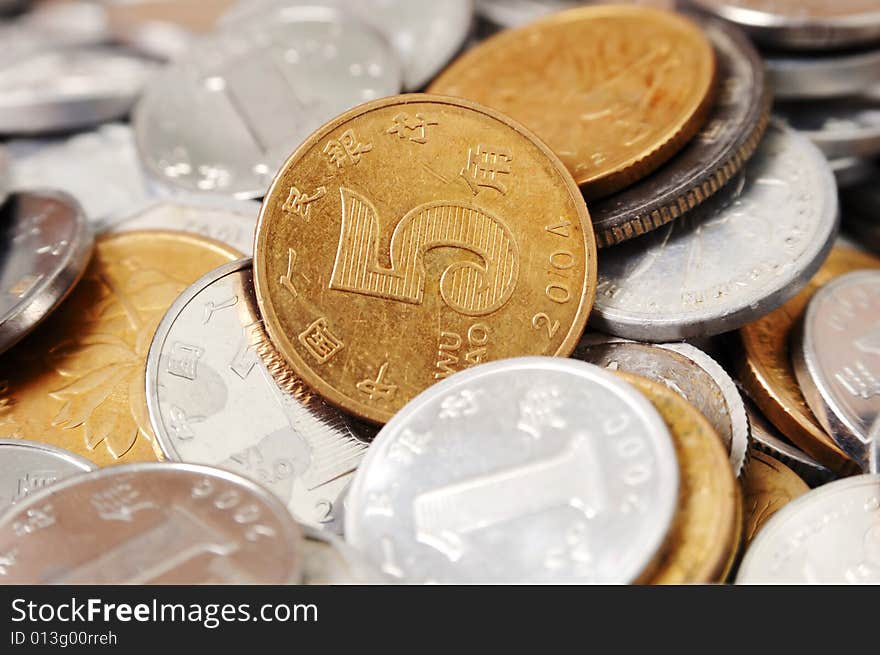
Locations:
(292, 532)
(639, 165)
(694, 192)
(819, 397)
(645, 409)
(788, 512)
(61, 453)
(718, 564)
(739, 420)
(280, 340)
(52, 291)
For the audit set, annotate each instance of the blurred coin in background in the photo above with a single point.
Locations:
(842, 127)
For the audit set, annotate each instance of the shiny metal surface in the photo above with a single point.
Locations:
(224, 117)
(810, 76)
(45, 245)
(27, 467)
(843, 127)
(212, 400)
(229, 221)
(828, 536)
(70, 88)
(730, 261)
(513, 13)
(689, 372)
(837, 363)
(528, 470)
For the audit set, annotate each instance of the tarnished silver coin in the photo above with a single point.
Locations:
(841, 127)
(766, 438)
(802, 24)
(730, 261)
(528, 470)
(829, 536)
(425, 35)
(837, 363)
(223, 118)
(99, 168)
(213, 400)
(829, 75)
(151, 524)
(709, 161)
(688, 371)
(46, 244)
(852, 171)
(328, 560)
(69, 88)
(229, 221)
(27, 467)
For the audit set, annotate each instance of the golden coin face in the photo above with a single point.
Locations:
(766, 370)
(78, 381)
(416, 236)
(768, 486)
(705, 536)
(615, 91)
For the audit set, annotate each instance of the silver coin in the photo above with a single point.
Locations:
(211, 400)
(837, 362)
(766, 438)
(513, 13)
(232, 222)
(689, 372)
(46, 245)
(69, 88)
(425, 35)
(27, 467)
(811, 76)
(728, 262)
(842, 127)
(528, 470)
(150, 524)
(100, 169)
(829, 536)
(852, 171)
(72, 22)
(328, 560)
(802, 24)
(263, 87)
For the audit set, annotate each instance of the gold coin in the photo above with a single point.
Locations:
(766, 371)
(706, 533)
(768, 486)
(615, 91)
(415, 236)
(78, 381)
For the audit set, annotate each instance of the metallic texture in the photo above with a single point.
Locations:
(829, 75)
(841, 127)
(27, 467)
(768, 486)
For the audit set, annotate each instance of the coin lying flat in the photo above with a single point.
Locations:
(808, 76)
(229, 221)
(528, 470)
(689, 372)
(768, 486)
(151, 524)
(766, 371)
(491, 253)
(614, 90)
(212, 400)
(731, 260)
(68, 89)
(767, 439)
(837, 362)
(78, 381)
(842, 127)
(46, 245)
(802, 24)
(99, 168)
(705, 536)
(828, 536)
(27, 467)
(264, 86)
(711, 159)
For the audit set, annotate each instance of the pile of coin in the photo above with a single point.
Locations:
(571, 309)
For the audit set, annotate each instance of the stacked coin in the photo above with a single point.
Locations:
(382, 373)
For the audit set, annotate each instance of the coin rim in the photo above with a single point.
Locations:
(85, 466)
(261, 282)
